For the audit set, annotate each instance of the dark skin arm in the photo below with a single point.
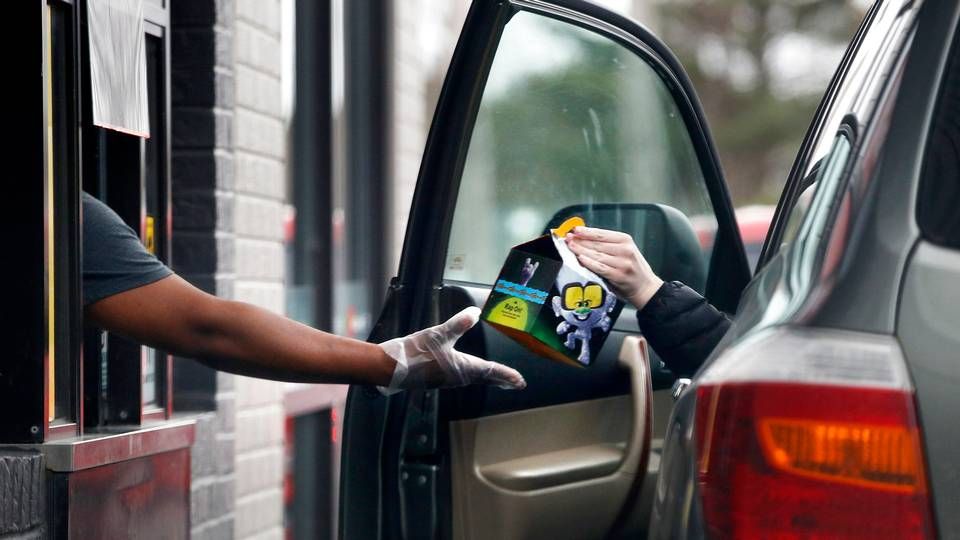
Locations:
(240, 338)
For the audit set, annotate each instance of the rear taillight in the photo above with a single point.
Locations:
(811, 433)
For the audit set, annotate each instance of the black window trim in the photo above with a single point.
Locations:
(65, 220)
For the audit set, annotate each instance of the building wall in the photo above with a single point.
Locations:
(21, 494)
(424, 35)
(260, 136)
(203, 184)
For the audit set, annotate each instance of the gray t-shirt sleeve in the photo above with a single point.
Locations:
(114, 259)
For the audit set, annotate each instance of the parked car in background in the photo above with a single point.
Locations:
(753, 222)
(828, 409)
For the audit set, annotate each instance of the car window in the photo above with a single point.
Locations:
(569, 119)
(806, 192)
(939, 194)
(811, 212)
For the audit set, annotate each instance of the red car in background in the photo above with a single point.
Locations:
(753, 222)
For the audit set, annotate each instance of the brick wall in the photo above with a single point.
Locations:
(229, 167)
(229, 174)
(419, 66)
(203, 175)
(21, 494)
(260, 150)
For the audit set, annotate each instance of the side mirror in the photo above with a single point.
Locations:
(665, 236)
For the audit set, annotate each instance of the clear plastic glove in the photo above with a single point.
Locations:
(426, 359)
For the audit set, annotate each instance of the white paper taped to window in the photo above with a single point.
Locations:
(118, 68)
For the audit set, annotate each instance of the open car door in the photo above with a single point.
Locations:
(550, 108)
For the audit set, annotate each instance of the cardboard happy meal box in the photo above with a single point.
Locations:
(548, 302)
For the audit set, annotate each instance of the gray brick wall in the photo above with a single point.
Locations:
(260, 135)
(204, 179)
(212, 487)
(418, 72)
(229, 174)
(21, 494)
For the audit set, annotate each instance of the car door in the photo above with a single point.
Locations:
(549, 109)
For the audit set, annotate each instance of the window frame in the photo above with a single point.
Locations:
(64, 216)
(114, 396)
(25, 317)
(162, 408)
(50, 373)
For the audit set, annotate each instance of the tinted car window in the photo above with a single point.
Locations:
(939, 196)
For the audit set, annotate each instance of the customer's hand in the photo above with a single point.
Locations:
(427, 359)
(615, 257)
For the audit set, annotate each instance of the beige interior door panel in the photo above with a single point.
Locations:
(555, 468)
(565, 471)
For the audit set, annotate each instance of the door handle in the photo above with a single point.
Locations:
(636, 359)
(569, 465)
(679, 386)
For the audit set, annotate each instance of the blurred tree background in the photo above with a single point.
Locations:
(760, 68)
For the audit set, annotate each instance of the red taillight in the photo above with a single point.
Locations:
(805, 434)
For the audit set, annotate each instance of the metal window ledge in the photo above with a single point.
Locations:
(96, 449)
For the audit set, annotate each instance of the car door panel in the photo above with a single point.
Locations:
(558, 479)
(574, 454)
(603, 379)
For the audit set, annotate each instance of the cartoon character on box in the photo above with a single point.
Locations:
(583, 306)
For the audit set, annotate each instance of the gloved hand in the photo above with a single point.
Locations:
(426, 359)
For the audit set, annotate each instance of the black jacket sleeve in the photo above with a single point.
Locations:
(681, 326)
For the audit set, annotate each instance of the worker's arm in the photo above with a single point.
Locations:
(172, 315)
